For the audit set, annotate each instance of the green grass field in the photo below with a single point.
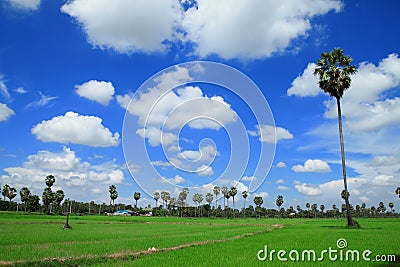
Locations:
(39, 240)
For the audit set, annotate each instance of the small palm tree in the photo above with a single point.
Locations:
(398, 191)
(244, 195)
(279, 202)
(136, 197)
(334, 70)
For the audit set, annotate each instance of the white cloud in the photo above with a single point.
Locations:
(160, 163)
(162, 110)
(205, 154)
(5, 112)
(69, 129)
(312, 165)
(176, 180)
(308, 190)
(248, 178)
(280, 187)
(252, 29)
(305, 84)
(127, 26)
(20, 90)
(271, 134)
(25, 4)
(280, 181)
(384, 180)
(205, 170)
(99, 91)
(281, 164)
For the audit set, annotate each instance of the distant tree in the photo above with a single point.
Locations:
(314, 208)
(244, 195)
(258, 201)
(156, 197)
(334, 70)
(322, 208)
(113, 194)
(279, 202)
(334, 208)
(225, 192)
(391, 205)
(232, 193)
(25, 194)
(58, 197)
(165, 196)
(209, 199)
(5, 191)
(12, 193)
(216, 193)
(33, 203)
(47, 198)
(382, 207)
(136, 197)
(398, 191)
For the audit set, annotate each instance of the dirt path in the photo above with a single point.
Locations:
(137, 254)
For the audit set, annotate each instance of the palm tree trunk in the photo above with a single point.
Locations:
(348, 215)
(244, 208)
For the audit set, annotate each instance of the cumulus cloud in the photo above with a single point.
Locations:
(25, 4)
(76, 177)
(176, 180)
(253, 29)
(281, 164)
(312, 165)
(249, 178)
(99, 91)
(305, 84)
(161, 110)
(271, 134)
(5, 112)
(205, 170)
(127, 26)
(75, 128)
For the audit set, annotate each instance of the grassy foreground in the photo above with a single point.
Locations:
(39, 240)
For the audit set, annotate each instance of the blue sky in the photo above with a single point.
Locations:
(100, 92)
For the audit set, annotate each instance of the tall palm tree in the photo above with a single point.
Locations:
(156, 197)
(258, 201)
(209, 199)
(113, 193)
(12, 193)
(216, 193)
(136, 197)
(308, 208)
(279, 202)
(5, 191)
(398, 191)
(224, 192)
(232, 193)
(25, 194)
(244, 195)
(334, 70)
(391, 205)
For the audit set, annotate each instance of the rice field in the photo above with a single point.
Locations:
(40, 240)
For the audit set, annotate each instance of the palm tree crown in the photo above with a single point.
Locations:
(334, 70)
